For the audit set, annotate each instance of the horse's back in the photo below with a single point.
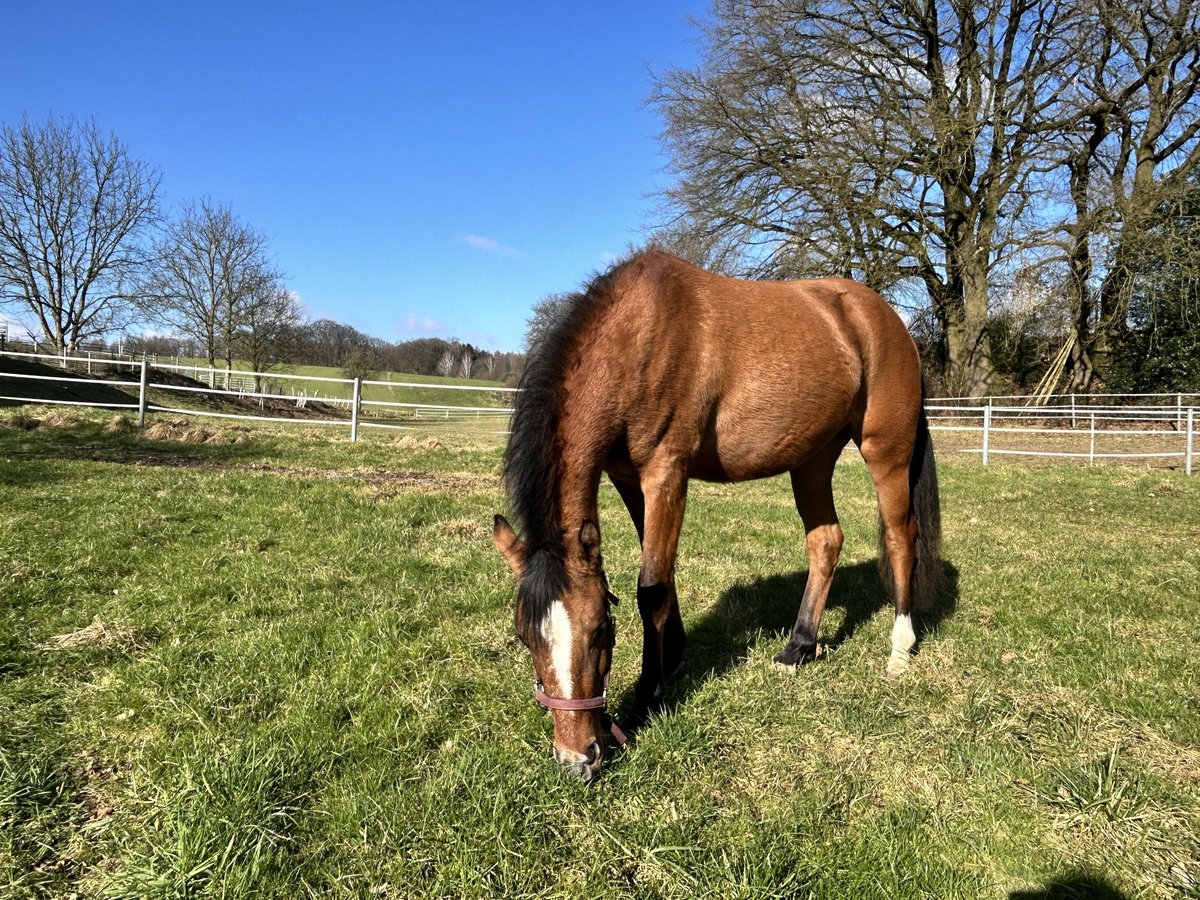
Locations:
(745, 379)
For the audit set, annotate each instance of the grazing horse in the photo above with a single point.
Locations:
(660, 372)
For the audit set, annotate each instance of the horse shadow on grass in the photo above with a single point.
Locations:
(765, 610)
(1075, 886)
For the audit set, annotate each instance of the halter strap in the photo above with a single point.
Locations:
(583, 705)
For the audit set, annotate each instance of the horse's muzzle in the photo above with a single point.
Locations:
(582, 765)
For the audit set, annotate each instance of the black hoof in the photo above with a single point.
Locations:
(796, 655)
(648, 698)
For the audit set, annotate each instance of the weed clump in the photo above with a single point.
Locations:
(20, 421)
(58, 419)
(412, 443)
(119, 424)
(184, 432)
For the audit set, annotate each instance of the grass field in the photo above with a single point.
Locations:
(284, 666)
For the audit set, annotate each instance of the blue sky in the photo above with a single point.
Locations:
(422, 169)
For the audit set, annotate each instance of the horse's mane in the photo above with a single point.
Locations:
(532, 462)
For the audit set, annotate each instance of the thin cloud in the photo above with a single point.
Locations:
(488, 245)
(416, 323)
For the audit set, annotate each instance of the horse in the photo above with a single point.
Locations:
(658, 372)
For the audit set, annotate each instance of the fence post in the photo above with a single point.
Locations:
(145, 380)
(1191, 440)
(1178, 411)
(1092, 445)
(987, 429)
(354, 410)
(1072, 410)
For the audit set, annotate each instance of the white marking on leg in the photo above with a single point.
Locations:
(903, 640)
(903, 636)
(556, 630)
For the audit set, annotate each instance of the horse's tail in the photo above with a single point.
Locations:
(925, 509)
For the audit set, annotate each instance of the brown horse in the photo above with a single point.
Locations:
(660, 372)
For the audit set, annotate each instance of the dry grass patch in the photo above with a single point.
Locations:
(412, 443)
(120, 424)
(100, 633)
(20, 421)
(185, 432)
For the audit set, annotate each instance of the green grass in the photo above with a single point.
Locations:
(302, 680)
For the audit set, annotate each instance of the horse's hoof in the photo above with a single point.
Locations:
(790, 658)
(897, 666)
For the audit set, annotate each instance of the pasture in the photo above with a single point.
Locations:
(284, 665)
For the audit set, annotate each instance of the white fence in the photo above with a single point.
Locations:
(1150, 428)
(351, 411)
(1109, 427)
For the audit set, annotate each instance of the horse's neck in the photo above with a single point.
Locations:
(580, 466)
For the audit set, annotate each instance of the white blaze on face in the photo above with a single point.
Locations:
(556, 630)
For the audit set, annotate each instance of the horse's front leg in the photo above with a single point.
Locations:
(665, 495)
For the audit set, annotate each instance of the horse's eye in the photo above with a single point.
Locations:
(603, 636)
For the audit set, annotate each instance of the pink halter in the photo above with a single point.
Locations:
(584, 705)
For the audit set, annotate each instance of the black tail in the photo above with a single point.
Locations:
(925, 507)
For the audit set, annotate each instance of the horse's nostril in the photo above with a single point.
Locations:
(593, 751)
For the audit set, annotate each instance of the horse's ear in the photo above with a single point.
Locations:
(510, 546)
(589, 539)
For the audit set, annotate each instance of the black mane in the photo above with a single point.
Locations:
(532, 462)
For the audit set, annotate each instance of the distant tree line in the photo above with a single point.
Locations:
(328, 343)
(86, 252)
(332, 344)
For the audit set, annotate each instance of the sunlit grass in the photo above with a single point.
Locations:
(293, 673)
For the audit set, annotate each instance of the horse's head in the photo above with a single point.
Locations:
(562, 615)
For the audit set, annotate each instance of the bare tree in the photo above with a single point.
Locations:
(75, 207)
(892, 141)
(544, 317)
(465, 361)
(269, 319)
(445, 366)
(212, 270)
(1131, 153)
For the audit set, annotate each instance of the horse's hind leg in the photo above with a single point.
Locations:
(812, 487)
(888, 463)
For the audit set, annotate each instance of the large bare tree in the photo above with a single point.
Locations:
(1131, 154)
(75, 208)
(902, 142)
(211, 274)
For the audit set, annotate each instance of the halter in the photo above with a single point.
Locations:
(564, 704)
(589, 703)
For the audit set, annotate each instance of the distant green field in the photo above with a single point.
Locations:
(342, 390)
(253, 663)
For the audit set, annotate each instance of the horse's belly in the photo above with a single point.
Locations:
(744, 448)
